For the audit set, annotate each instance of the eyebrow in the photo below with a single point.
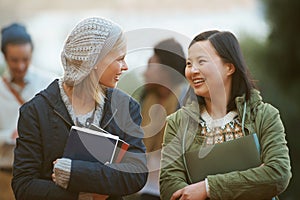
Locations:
(122, 55)
(197, 57)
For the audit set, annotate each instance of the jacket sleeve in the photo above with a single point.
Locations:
(27, 182)
(172, 174)
(262, 182)
(117, 179)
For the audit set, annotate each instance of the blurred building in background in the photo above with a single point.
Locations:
(49, 21)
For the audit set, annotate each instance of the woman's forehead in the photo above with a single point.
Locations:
(201, 48)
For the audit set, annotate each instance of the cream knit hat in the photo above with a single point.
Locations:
(88, 43)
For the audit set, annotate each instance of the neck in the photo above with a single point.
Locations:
(19, 82)
(81, 103)
(215, 110)
(163, 93)
(216, 103)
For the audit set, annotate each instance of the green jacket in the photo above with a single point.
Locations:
(258, 183)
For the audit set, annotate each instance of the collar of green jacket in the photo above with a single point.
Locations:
(192, 108)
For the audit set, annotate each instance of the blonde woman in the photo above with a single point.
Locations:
(93, 61)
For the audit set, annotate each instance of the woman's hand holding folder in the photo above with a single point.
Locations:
(82, 196)
(196, 191)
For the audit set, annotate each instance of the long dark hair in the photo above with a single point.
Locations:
(228, 48)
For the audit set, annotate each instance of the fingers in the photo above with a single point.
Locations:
(176, 194)
(53, 174)
(53, 177)
(99, 197)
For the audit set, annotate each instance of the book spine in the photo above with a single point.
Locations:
(121, 151)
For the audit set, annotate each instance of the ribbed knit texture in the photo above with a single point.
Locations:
(62, 171)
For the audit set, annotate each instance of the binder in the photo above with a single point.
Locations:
(95, 145)
(235, 155)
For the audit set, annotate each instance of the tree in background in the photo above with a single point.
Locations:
(283, 62)
(277, 67)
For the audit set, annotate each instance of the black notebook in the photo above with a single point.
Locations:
(235, 155)
(95, 145)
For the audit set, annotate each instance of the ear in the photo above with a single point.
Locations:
(230, 68)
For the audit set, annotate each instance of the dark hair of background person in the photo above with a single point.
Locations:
(228, 48)
(14, 34)
(170, 54)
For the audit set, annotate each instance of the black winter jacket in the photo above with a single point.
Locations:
(44, 125)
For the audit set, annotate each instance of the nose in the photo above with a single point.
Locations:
(195, 69)
(124, 66)
(21, 66)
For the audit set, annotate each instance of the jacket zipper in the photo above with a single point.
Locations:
(66, 121)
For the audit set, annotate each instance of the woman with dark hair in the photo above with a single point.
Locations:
(223, 105)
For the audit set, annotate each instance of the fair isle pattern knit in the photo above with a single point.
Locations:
(220, 130)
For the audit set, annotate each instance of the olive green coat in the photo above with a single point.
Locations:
(262, 182)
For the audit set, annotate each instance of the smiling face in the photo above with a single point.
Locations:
(18, 58)
(111, 67)
(206, 72)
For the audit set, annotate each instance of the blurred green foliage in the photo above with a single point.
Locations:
(1, 69)
(275, 63)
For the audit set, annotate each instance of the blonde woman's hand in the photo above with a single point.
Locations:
(196, 191)
(53, 175)
(91, 196)
(99, 197)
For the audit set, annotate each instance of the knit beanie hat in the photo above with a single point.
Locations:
(86, 45)
(14, 34)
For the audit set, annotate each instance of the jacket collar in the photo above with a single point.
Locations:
(193, 107)
(108, 113)
(52, 95)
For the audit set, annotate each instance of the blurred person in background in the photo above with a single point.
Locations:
(160, 96)
(93, 61)
(19, 83)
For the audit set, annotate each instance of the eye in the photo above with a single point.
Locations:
(15, 60)
(201, 61)
(26, 60)
(121, 59)
(188, 64)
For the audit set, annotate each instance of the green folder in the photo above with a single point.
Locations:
(235, 155)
